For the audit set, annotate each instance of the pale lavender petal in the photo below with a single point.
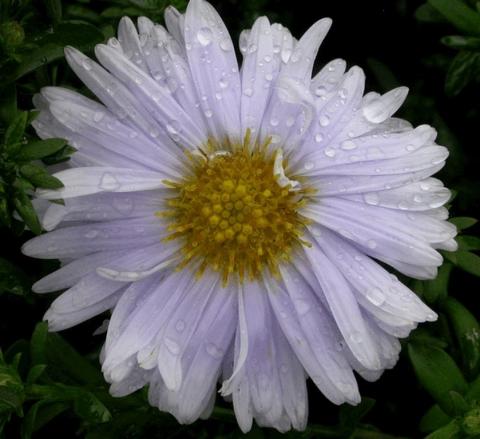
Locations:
(212, 61)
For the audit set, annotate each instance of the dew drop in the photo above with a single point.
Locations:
(214, 351)
(204, 36)
(324, 120)
(330, 152)
(308, 166)
(87, 64)
(225, 45)
(98, 116)
(180, 325)
(371, 244)
(172, 346)
(109, 182)
(318, 137)
(417, 198)
(320, 91)
(355, 337)
(343, 93)
(274, 121)
(348, 145)
(371, 198)
(248, 92)
(223, 83)
(302, 306)
(208, 113)
(91, 234)
(376, 296)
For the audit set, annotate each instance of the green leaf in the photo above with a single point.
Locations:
(465, 260)
(25, 209)
(11, 388)
(54, 10)
(434, 419)
(450, 431)
(67, 365)
(35, 372)
(38, 344)
(473, 393)
(40, 177)
(350, 416)
(471, 423)
(50, 47)
(13, 280)
(463, 222)
(60, 156)
(437, 289)
(15, 130)
(90, 408)
(463, 69)
(459, 14)
(467, 242)
(40, 149)
(40, 414)
(8, 104)
(438, 374)
(467, 332)
(461, 42)
(427, 14)
(5, 216)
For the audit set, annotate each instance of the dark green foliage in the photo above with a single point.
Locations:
(51, 385)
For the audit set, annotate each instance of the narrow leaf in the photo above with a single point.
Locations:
(463, 222)
(463, 69)
(40, 149)
(25, 209)
(467, 332)
(15, 130)
(40, 177)
(438, 374)
(459, 14)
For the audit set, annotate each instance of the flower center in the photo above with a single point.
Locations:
(232, 214)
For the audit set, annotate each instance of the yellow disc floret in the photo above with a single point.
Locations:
(231, 215)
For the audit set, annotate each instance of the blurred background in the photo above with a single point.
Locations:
(51, 384)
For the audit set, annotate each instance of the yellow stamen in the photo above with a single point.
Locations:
(231, 215)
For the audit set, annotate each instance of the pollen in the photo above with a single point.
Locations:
(230, 214)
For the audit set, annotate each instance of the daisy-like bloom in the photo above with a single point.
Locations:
(237, 221)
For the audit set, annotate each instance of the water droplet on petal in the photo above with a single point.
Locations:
(376, 296)
(204, 36)
(223, 83)
(109, 182)
(180, 326)
(226, 45)
(98, 116)
(330, 152)
(371, 244)
(371, 198)
(355, 337)
(348, 145)
(248, 92)
(320, 91)
(172, 346)
(318, 137)
(308, 166)
(91, 234)
(87, 64)
(324, 120)
(214, 351)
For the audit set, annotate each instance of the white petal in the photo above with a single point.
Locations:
(91, 180)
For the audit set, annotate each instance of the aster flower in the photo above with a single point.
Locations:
(237, 222)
